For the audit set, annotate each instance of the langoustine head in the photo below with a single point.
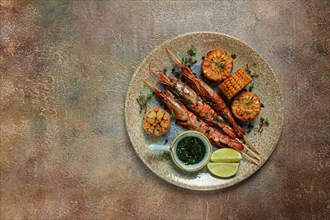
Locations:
(166, 80)
(178, 109)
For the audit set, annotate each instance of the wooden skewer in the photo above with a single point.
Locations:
(249, 142)
(249, 158)
(254, 154)
(174, 57)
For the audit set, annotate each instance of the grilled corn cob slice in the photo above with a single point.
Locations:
(217, 65)
(235, 83)
(246, 106)
(156, 121)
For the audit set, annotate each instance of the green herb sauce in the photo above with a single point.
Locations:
(191, 150)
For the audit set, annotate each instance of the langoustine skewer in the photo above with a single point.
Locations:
(194, 102)
(190, 120)
(216, 102)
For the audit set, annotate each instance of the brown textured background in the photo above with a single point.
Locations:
(65, 68)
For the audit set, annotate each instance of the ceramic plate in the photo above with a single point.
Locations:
(265, 86)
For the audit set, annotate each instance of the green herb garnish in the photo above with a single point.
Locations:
(192, 51)
(254, 74)
(165, 156)
(250, 127)
(263, 122)
(249, 71)
(188, 61)
(219, 120)
(142, 101)
(221, 65)
(251, 87)
(176, 89)
(262, 105)
(165, 70)
(206, 101)
(267, 122)
(189, 102)
(177, 74)
(225, 115)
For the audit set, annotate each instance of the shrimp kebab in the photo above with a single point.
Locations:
(197, 105)
(191, 121)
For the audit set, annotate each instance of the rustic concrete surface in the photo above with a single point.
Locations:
(65, 68)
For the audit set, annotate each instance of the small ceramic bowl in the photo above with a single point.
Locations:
(172, 149)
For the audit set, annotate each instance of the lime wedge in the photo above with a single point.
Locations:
(223, 169)
(226, 155)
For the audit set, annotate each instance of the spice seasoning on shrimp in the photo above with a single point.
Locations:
(219, 120)
(189, 102)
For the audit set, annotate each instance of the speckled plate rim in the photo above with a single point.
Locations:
(281, 110)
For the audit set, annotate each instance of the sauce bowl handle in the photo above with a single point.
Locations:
(157, 147)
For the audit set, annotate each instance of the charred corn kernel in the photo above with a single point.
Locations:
(156, 121)
(235, 83)
(217, 65)
(246, 106)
